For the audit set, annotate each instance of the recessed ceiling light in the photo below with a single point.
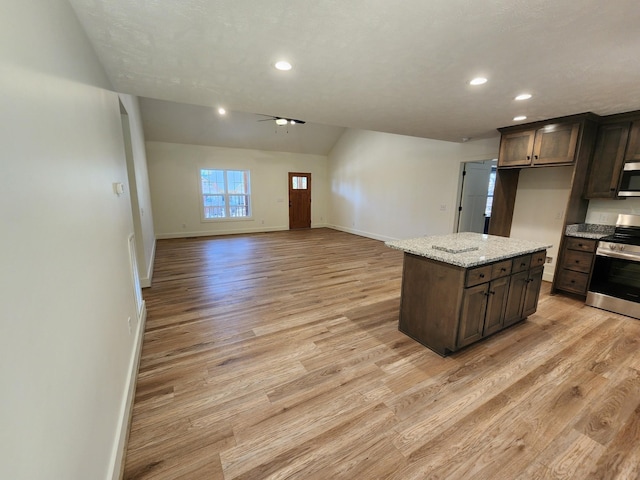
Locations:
(292, 122)
(523, 96)
(478, 81)
(282, 65)
(519, 118)
(222, 111)
(281, 121)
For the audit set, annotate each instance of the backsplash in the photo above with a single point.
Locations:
(605, 212)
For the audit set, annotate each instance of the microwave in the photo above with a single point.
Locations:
(630, 181)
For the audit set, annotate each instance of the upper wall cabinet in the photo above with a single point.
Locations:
(552, 144)
(608, 160)
(633, 147)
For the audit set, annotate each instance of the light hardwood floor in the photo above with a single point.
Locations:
(278, 356)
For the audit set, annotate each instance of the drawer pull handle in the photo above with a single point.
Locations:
(523, 264)
(503, 269)
(482, 275)
(492, 293)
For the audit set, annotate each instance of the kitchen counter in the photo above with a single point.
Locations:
(589, 230)
(461, 288)
(467, 249)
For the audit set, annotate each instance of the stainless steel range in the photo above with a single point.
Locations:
(615, 282)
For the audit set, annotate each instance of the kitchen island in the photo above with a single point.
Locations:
(460, 288)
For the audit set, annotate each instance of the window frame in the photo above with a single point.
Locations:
(225, 195)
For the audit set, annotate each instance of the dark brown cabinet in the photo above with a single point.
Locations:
(608, 160)
(576, 263)
(633, 147)
(446, 307)
(561, 141)
(553, 144)
(524, 288)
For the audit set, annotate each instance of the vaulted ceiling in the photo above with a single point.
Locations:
(392, 66)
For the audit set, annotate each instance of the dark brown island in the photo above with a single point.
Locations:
(460, 288)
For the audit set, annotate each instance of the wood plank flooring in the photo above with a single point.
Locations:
(277, 355)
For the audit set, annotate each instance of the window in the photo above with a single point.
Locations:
(225, 194)
(299, 183)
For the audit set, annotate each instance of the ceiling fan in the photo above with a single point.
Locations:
(281, 121)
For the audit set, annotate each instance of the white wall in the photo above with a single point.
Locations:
(606, 212)
(141, 197)
(174, 172)
(539, 210)
(66, 288)
(389, 186)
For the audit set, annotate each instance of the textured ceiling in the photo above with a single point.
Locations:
(399, 67)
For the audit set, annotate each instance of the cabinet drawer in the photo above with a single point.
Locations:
(573, 281)
(501, 269)
(538, 258)
(476, 276)
(577, 261)
(521, 264)
(581, 244)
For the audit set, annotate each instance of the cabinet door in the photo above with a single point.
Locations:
(608, 160)
(556, 144)
(515, 299)
(497, 301)
(633, 147)
(474, 306)
(516, 149)
(532, 292)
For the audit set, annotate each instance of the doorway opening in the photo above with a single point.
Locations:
(477, 183)
(299, 200)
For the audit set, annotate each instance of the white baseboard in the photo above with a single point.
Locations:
(375, 236)
(126, 409)
(146, 281)
(162, 236)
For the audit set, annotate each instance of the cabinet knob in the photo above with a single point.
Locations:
(528, 157)
(535, 156)
(577, 261)
(503, 269)
(482, 275)
(492, 293)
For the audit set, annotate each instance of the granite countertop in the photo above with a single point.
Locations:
(467, 249)
(589, 230)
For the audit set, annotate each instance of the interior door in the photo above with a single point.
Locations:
(299, 200)
(473, 199)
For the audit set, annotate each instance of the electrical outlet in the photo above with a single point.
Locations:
(548, 260)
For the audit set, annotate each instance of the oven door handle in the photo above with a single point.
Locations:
(621, 255)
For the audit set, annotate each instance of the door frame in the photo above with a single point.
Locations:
(456, 223)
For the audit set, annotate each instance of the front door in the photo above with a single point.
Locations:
(299, 200)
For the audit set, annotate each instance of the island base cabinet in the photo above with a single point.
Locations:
(446, 307)
(524, 292)
(472, 316)
(496, 305)
(430, 302)
(532, 292)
